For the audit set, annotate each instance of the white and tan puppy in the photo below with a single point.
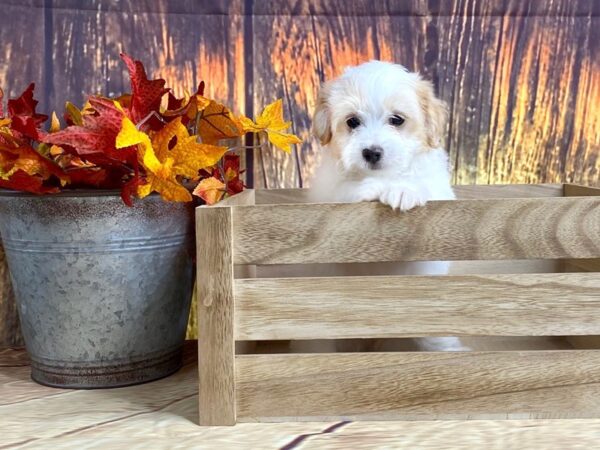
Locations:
(381, 128)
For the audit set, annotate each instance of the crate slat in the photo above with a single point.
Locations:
(415, 306)
(474, 191)
(216, 345)
(282, 196)
(540, 228)
(419, 385)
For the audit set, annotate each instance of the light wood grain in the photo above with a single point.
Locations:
(463, 192)
(460, 435)
(243, 198)
(163, 414)
(216, 346)
(282, 196)
(413, 385)
(544, 228)
(246, 197)
(415, 306)
(581, 265)
(483, 191)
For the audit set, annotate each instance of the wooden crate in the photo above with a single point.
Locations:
(526, 262)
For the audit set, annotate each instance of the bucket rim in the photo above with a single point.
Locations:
(68, 193)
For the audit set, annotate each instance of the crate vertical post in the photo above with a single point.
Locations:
(216, 345)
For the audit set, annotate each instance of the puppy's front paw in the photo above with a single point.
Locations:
(402, 198)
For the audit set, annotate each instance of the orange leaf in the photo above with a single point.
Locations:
(23, 168)
(211, 190)
(217, 122)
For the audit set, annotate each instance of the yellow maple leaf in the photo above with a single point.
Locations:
(160, 175)
(129, 136)
(189, 155)
(171, 152)
(271, 121)
(169, 135)
(211, 190)
(164, 181)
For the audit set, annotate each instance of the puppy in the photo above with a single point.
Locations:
(381, 128)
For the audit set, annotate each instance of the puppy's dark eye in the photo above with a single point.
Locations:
(396, 120)
(353, 122)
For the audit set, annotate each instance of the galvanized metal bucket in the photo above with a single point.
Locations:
(103, 290)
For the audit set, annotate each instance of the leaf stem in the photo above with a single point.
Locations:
(151, 114)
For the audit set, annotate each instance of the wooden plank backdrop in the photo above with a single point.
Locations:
(522, 78)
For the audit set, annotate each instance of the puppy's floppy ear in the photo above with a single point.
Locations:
(321, 125)
(435, 112)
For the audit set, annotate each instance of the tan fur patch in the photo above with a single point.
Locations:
(435, 112)
(321, 123)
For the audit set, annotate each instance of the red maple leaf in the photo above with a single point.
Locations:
(231, 169)
(130, 188)
(88, 176)
(146, 94)
(177, 107)
(22, 181)
(229, 173)
(25, 122)
(95, 139)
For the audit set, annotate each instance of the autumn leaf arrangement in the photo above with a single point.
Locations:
(141, 142)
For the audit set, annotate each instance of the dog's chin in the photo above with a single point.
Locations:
(381, 169)
(374, 167)
(363, 170)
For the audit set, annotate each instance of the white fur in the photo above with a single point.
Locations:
(414, 167)
(411, 173)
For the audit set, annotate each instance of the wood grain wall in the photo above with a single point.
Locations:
(521, 77)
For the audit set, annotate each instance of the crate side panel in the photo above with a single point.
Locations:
(415, 306)
(540, 228)
(419, 385)
(475, 191)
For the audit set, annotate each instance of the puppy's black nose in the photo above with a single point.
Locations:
(373, 154)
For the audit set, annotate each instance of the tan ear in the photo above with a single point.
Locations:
(435, 112)
(321, 124)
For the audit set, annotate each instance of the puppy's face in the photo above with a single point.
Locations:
(377, 117)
